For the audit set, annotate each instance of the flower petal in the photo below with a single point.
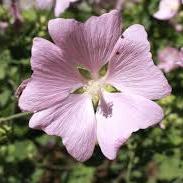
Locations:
(131, 68)
(129, 114)
(74, 121)
(3, 26)
(137, 33)
(88, 44)
(169, 57)
(180, 63)
(167, 9)
(53, 78)
(61, 6)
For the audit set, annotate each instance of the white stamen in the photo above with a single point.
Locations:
(93, 87)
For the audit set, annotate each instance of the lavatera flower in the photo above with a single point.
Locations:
(170, 59)
(93, 85)
(167, 9)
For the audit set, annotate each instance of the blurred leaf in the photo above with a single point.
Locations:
(80, 174)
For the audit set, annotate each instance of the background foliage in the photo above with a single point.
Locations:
(29, 156)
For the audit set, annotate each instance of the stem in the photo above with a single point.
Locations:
(15, 116)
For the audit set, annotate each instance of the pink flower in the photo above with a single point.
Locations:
(169, 58)
(3, 26)
(69, 88)
(180, 62)
(59, 5)
(167, 9)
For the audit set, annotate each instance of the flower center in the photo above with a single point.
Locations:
(93, 87)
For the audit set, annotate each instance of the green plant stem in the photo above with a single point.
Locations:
(15, 116)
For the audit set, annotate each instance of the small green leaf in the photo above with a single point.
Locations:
(85, 72)
(103, 70)
(111, 89)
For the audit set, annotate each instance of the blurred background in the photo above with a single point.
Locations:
(29, 156)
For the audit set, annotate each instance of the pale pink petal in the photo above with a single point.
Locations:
(74, 121)
(168, 58)
(178, 27)
(53, 78)
(131, 68)
(137, 33)
(61, 6)
(167, 9)
(44, 4)
(129, 113)
(88, 44)
(3, 26)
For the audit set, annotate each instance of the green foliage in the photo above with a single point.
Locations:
(29, 156)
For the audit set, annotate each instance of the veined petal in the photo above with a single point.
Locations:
(167, 9)
(129, 113)
(89, 43)
(131, 68)
(138, 34)
(74, 121)
(52, 80)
